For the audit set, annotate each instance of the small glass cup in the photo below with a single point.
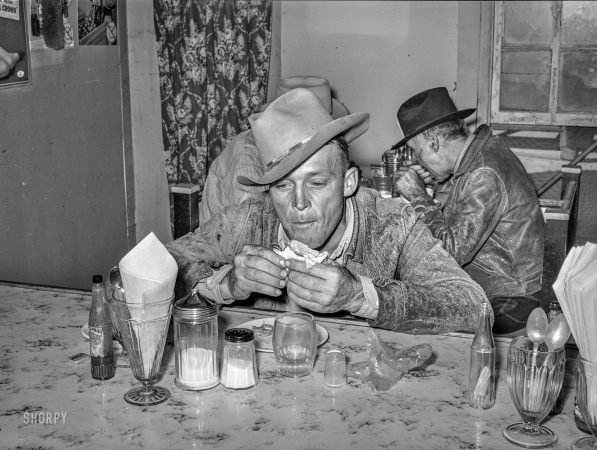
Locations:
(295, 343)
(334, 371)
(586, 394)
(535, 379)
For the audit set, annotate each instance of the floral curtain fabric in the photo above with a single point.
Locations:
(213, 63)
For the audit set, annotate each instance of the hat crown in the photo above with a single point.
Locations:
(424, 108)
(319, 86)
(287, 122)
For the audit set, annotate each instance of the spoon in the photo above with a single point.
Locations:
(536, 328)
(116, 282)
(114, 277)
(558, 332)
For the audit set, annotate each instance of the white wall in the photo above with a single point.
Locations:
(376, 55)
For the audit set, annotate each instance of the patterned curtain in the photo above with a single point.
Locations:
(213, 63)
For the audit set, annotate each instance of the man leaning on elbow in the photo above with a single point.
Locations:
(382, 262)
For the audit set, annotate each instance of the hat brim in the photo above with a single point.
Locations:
(350, 127)
(338, 109)
(452, 116)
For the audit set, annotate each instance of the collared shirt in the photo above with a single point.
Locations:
(210, 287)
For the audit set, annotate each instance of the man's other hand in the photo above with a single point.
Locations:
(256, 269)
(324, 288)
(408, 183)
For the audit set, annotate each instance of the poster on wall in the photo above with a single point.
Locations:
(52, 36)
(98, 22)
(15, 64)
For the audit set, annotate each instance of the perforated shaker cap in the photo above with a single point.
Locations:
(238, 335)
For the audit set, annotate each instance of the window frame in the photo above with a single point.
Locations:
(530, 117)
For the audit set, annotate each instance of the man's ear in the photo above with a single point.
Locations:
(351, 181)
(433, 142)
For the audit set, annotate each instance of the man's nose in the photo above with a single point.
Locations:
(300, 199)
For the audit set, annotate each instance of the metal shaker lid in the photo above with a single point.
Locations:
(195, 306)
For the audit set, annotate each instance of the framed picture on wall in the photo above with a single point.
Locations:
(15, 62)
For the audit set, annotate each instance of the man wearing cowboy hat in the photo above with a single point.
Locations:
(376, 259)
(240, 157)
(491, 222)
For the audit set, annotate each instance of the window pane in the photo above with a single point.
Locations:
(579, 24)
(578, 82)
(525, 80)
(527, 23)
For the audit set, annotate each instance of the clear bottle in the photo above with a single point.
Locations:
(239, 366)
(555, 310)
(100, 333)
(481, 387)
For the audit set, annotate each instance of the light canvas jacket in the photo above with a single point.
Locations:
(421, 289)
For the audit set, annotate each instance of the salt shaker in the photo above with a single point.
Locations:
(196, 342)
(239, 366)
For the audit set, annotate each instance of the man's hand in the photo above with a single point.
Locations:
(408, 183)
(421, 172)
(323, 288)
(256, 269)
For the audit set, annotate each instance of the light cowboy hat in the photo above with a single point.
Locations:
(319, 86)
(292, 129)
(426, 110)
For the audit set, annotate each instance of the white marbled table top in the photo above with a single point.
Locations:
(40, 329)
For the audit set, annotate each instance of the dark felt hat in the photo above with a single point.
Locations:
(426, 110)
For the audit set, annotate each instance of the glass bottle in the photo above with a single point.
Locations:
(481, 387)
(239, 366)
(196, 342)
(100, 333)
(555, 310)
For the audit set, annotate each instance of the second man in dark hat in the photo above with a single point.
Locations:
(491, 222)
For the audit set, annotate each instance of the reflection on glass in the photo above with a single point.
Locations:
(525, 80)
(578, 23)
(578, 82)
(527, 23)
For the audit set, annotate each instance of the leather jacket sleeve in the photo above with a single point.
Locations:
(482, 198)
(431, 294)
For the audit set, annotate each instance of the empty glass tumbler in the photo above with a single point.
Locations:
(334, 370)
(196, 343)
(295, 343)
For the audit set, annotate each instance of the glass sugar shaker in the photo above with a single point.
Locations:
(239, 366)
(196, 342)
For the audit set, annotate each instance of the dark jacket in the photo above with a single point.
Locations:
(491, 223)
(420, 287)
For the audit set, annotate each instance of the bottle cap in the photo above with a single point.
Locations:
(238, 335)
(98, 279)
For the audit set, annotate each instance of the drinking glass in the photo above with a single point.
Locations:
(334, 370)
(586, 394)
(295, 343)
(535, 379)
(143, 327)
